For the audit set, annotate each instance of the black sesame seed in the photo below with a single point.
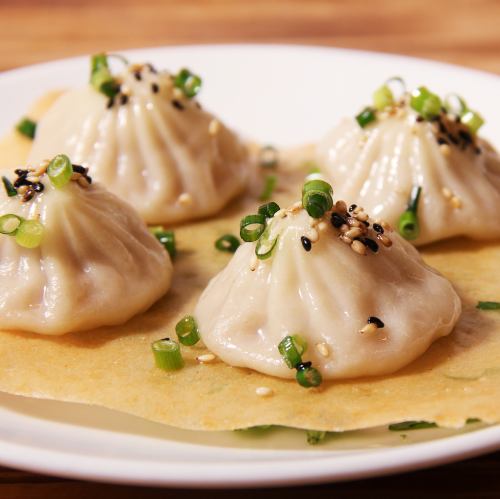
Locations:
(165, 339)
(370, 244)
(138, 76)
(420, 118)
(337, 220)
(123, 99)
(197, 104)
(378, 228)
(306, 243)
(38, 187)
(178, 105)
(453, 139)
(477, 150)
(111, 102)
(21, 173)
(365, 223)
(28, 195)
(155, 88)
(153, 70)
(88, 179)
(352, 207)
(376, 321)
(465, 136)
(80, 169)
(442, 141)
(442, 128)
(303, 365)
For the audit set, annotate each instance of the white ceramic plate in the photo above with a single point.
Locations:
(276, 94)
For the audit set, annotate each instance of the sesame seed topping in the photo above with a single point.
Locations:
(185, 199)
(214, 127)
(177, 104)
(322, 226)
(254, 262)
(341, 206)
(177, 93)
(337, 220)
(445, 150)
(155, 88)
(371, 244)
(375, 320)
(456, 202)
(446, 192)
(369, 329)
(345, 239)
(306, 243)
(352, 207)
(358, 247)
(378, 228)
(264, 391)
(206, 358)
(362, 216)
(384, 240)
(323, 349)
(138, 76)
(354, 233)
(313, 235)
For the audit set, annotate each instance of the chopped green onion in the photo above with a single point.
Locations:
(411, 425)
(257, 428)
(427, 104)
(252, 227)
(268, 157)
(488, 305)
(400, 83)
(291, 349)
(472, 420)
(60, 171)
(9, 224)
(268, 210)
(265, 245)
(383, 98)
(473, 121)
(187, 331)
(100, 76)
(166, 238)
(29, 234)
(9, 188)
(308, 376)
(269, 186)
(228, 243)
(167, 354)
(188, 82)
(408, 224)
(454, 104)
(314, 437)
(27, 127)
(317, 197)
(365, 117)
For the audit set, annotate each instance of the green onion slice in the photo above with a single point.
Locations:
(411, 425)
(9, 224)
(60, 171)
(188, 82)
(454, 104)
(27, 128)
(228, 243)
(252, 227)
(29, 234)
(268, 157)
(314, 437)
(488, 305)
(308, 376)
(472, 120)
(291, 349)
(408, 225)
(365, 117)
(269, 186)
(100, 76)
(383, 97)
(427, 104)
(166, 238)
(397, 86)
(9, 188)
(317, 197)
(268, 210)
(187, 331)
(268, 240)
(167, 354)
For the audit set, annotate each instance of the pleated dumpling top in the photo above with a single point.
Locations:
(359, 295)
(73, 257)
(148, 140)
(379, 158)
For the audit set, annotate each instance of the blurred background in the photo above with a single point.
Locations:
(465, 32)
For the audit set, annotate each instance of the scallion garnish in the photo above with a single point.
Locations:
(408, 224)
(9, 224)
(472, 120)
(60, 171)
(27, 128)
(488, 305)
(315, 437)
(9, 188)
(365, 117)
(427, 104)
(187, 331)
(166, 239)
(454, 104)
(269, 186)
(268, 210)
(308, 376)
(291, 349)
(382, 98)
(29, 234)
(266, 244)
(101, 78)
(228, 243)
(411, 425)
(317, 197)
(167, 354)
(188, 83)
(268, 157)
(252, 227)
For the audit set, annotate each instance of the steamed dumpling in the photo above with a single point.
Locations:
(377, 167)
(150, 145)
(97, 264)
(325, 288)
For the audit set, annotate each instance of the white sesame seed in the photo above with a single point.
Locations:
(208, 357)
(264, 391)
(254, 263)
(313, 235)
(75, 176)
(323, 349)
(353, 233)
(456, 202)
(177, 92)
(446, 192)
(34, 179)
(384, 240)
(362, 216)
(280, 213)
(445, 149)
(22, 189)
(369, 329)
(214, 127)
(358, 209)
(322, 226)
(358, 247)
(185, 199)
(341, 206)
(345, 239)
(353, 222)
(83, 182)
(344, 228)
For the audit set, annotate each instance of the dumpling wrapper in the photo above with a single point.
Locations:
(378, 165)
(171, 164)
(97, 265)
(326, 296)
(457, 378)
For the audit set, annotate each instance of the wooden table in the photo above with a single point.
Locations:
(458, 31)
